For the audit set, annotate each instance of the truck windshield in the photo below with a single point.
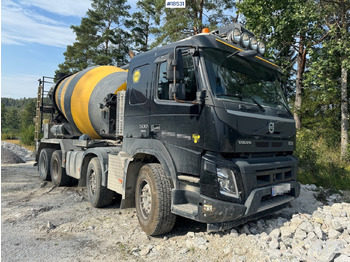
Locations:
(236, 78)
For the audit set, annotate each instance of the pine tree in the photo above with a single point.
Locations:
(179, 23)
(143, 23)
(28, 114)
(289, 28)
(335, 61)
(100, 38)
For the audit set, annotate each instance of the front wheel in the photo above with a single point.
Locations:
(99, 196)
(153, 200)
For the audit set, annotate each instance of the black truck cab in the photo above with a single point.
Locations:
(215, 117)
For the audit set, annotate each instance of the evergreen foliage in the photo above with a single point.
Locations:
(310, 41)
(27, 135)
(143, 23)
(179, 23)
(16, 116)
(100, 38)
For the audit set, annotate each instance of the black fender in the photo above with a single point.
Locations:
(152, 147)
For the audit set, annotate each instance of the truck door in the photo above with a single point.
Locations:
(178, 125)
(137, 115)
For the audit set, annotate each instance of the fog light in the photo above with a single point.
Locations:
(253, 43)
(235, 36)
(227, 182)
(245, 40)
(261, 48)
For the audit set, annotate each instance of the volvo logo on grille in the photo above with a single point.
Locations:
(271, 127)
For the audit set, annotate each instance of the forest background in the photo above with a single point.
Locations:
(308, 39)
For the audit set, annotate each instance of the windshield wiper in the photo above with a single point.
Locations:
(240, 96)
(257, 103)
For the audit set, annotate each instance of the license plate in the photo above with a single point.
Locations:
(280, 189)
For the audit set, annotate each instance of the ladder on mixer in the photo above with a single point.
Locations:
(38, 111)
(41, 107)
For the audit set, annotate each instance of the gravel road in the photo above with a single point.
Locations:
(40, 222)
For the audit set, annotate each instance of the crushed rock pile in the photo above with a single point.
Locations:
(8, 157)
(307, 230)
(14, 154)
(322, 236)
(321, 233)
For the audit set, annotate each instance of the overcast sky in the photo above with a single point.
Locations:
(34, 35)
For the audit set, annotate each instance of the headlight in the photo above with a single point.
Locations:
(261, 48)
(227, 182)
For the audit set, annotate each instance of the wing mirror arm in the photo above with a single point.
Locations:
(200, 97)
(176, 75)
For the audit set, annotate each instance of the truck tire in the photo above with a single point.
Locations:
(99, 196)
(153, 200)
(58, 173)
(44, 163)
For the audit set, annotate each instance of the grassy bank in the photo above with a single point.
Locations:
(320, 163)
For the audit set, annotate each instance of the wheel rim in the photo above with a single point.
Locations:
(145, 199)
(92, 182)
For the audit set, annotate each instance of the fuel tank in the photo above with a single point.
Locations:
(78, 97)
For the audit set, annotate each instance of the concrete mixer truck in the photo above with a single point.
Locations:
(199, 128)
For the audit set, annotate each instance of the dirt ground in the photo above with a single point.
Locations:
(40, 222)
(43, 223)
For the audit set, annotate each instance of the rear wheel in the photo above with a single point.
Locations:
(153, 200)
(58, 173)
(99, 196)
(44, 163)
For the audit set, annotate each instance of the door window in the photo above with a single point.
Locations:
(189, 79)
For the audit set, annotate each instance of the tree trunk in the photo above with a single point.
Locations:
(344, 93)
(201, 3)
(301, 61)
(145, 48)
(107, 40)
(344, 112)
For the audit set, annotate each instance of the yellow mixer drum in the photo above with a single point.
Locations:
(78, 96)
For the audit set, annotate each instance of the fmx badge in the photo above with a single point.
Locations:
(195, 138)
(175, 3)
(136, 76)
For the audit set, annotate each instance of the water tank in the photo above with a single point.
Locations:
(78, 97)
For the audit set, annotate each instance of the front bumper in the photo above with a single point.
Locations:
(221, 215)
(215, 211)
(265, 185)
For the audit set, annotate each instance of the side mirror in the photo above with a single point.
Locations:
(175, 66)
